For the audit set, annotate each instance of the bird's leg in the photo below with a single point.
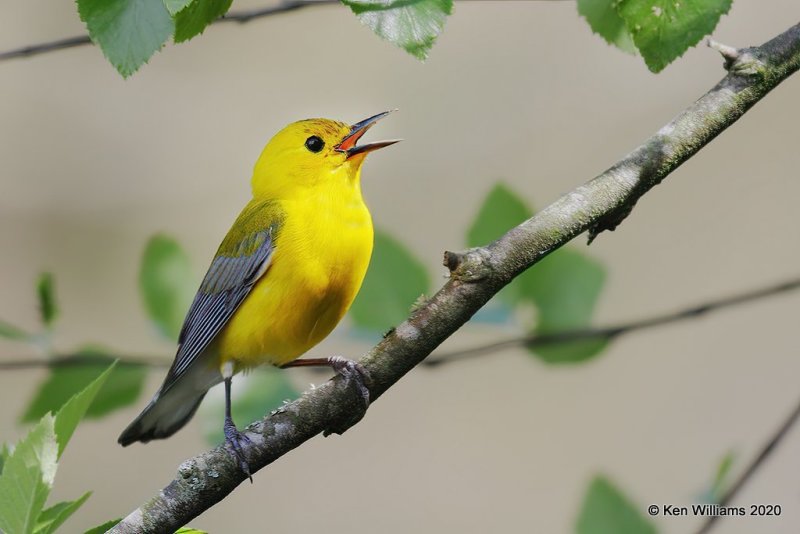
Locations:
(233, 438)
(353, 372)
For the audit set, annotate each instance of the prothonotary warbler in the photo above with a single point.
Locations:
(282, 279)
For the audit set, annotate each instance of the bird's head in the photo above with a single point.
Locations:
(313, 152)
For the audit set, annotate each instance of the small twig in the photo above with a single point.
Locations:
(531, 341)
(77, 360)
(241, 17)
(751, 469)
(236, 16)
(41, 48)
(284, 7)
(729, 53)
(611, 332)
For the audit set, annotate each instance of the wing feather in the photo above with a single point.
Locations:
(239, 263)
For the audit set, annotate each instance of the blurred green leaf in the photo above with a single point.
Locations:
(45, 289)
(128, 32)
(257, 394)
(4, 453)
(76, 407)
(413, 25)
(102, 529)
(187, 530)
(165, 280)
(52, 518)
(394, 281)
(664, 29)
(565, 287)
(194, 18)
(502, 209)
(604, 20)
(9, 331)
(606, 510)
(123, 386)
(60, 385)
(717, 489)
(27, 478)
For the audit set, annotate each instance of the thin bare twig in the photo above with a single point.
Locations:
(236, 16)
(78, 360)
(612, 332)
(753, 466)
(437, 359)
(240, 17)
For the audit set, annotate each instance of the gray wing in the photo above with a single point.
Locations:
(225, 286)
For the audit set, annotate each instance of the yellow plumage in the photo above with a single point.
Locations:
(283, 277)
(320, 259)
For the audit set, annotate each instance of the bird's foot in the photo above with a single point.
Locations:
(234, 441)
(355, 376)
(354, 373)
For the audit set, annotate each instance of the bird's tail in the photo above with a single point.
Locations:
(168, 412)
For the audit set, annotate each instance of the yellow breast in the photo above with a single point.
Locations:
(321, 256)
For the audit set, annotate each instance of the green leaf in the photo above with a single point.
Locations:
(502, 209)
(165, 280)
(564, 287)
(604, 20)
(717, 489)
(664, 29)
(45, 289)
(4, 454)
(9, 331)
(606, 510)
(394, 281)
(260, 392)
(175, 6)
(27, 478)
(187, 530)
(123, 386)
(128, 32)
(72, 412)
(52, 518)
(192, 20)
(105, 527)
(413, 25)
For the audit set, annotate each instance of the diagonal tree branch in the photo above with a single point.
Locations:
(475, 276)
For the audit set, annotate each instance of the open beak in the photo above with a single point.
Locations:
(348, 144)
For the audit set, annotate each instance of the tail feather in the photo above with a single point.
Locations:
(169, 411)
(160, 419)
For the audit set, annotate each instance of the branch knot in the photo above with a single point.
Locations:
(469, 266)
(739, 61)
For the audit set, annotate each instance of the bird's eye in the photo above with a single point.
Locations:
(315, 144)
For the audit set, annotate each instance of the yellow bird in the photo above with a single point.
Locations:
(282, 279)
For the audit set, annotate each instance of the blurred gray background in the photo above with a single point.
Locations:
(521, 92)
